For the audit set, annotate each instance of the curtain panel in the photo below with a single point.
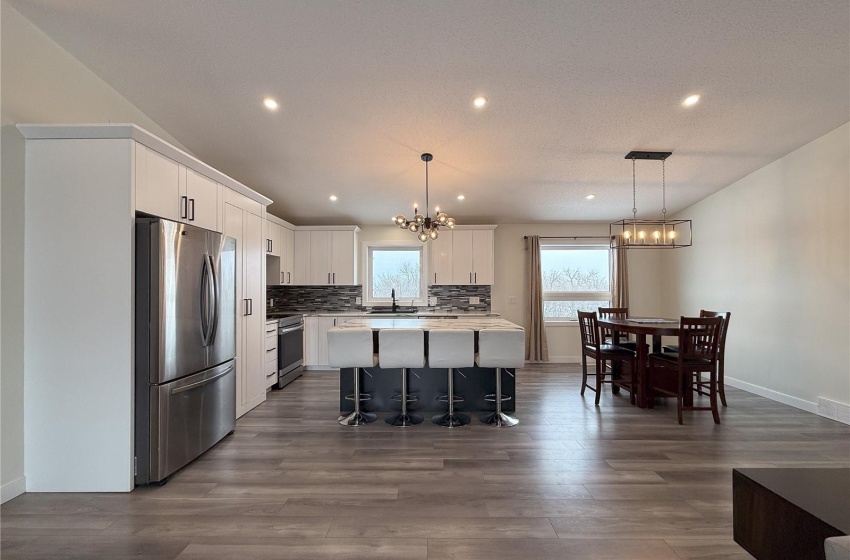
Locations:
(619, 275)
(536, 348)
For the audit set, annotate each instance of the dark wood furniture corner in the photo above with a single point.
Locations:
(788, 513)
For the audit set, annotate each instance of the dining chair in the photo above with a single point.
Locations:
(593, 347)
(608, 334)
(699, 338)
(721, 359)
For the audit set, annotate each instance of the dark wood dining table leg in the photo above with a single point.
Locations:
(643, 395)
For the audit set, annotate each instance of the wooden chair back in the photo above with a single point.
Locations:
(612, 313)
(589, 327)
(724, 328)
(699, 338)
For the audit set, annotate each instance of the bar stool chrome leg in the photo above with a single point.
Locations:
(358, 417)
(404, 419)
(451, 419)
(499, 419)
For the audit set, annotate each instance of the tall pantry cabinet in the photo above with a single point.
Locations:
(243, 221)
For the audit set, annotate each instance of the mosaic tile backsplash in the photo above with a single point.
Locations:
(310, 299)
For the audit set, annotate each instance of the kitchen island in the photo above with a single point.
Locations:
(471, 383)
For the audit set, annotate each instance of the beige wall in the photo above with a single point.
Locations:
(40, 83)
(773, 249)
(644, 276)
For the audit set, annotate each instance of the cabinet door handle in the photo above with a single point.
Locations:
(184, 207)
(246, 307)
(334, 278)
(289, 275)
(250, 307)
(282, 281)
(271, 245)
(470, 278)
(191, 209)
(329, 277)
(476, 277)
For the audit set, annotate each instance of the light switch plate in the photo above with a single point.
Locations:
(358, 301)
(474, 300)
(512, 300)
(432, 300)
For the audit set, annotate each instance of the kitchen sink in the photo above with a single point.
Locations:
(386, 310)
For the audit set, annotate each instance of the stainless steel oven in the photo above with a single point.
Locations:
(290, 349)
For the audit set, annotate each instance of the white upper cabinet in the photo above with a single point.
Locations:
(201, 199)
(157, 184)
(273, 235)
(301, 271)
(169, 190)
(441, 259)
(320, 257)
(483, 256)
(343, 258)
(467, 256)
(325, 256)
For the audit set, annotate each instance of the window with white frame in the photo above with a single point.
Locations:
(575, 278)
(399, 267)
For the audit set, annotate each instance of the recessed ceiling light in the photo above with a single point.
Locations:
(333, 198)
(270, 104)
(460, 197)
(691, 100)
(590, 196)
(479, 101)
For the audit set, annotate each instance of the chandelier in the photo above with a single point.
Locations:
(650, 234)
(424, 225)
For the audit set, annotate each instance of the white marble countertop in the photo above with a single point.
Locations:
(474, 323)
(427, 313)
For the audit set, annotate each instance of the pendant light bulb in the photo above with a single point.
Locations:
(423, 237)
(412, 226)
(433, 234)
(441, 218)
(450, 223)
(419, 219)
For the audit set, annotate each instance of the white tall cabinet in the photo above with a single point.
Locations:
(84, 184)
(243, 220)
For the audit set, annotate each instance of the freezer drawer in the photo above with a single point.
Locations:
(190, 415)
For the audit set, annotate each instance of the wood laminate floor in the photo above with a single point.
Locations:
(571, 481)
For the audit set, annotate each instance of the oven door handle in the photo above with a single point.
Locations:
(291, 329)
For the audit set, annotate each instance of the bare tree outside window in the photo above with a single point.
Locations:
(396, 269)
(574, 279)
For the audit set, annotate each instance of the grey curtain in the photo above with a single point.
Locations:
(619, 275)
(536, 348)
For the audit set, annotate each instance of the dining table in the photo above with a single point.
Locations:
(642, 327)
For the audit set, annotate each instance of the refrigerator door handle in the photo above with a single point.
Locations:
(213, 321)
(176, 390)
(205, 303)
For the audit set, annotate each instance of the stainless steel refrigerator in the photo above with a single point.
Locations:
(185, 344)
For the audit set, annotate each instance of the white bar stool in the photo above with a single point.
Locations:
(352, 348)
(451, 348)
(500, 348)
(402, 348)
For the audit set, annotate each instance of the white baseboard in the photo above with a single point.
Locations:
(834, 410)
(773, 395)
(13, 489)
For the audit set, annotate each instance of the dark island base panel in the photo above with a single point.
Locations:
(431, 383)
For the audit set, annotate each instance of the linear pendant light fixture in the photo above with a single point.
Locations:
(424, 227)
(650, 234)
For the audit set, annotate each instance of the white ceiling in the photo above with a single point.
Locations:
(365, 87)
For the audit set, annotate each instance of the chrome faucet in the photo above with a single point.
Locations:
(393, 296)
